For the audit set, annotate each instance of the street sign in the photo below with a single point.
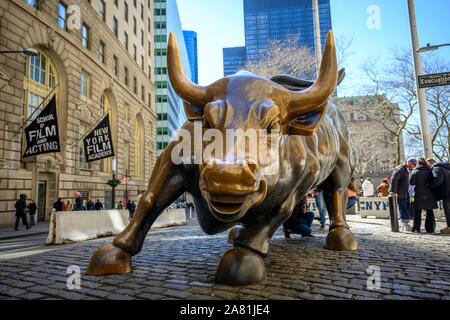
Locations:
(434, 80)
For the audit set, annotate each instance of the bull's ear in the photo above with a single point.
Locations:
(193, 113)
(306, 125)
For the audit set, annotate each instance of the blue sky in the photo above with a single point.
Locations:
(220, 23)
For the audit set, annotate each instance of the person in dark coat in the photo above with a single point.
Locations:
(300, 222)
(441, 188)
(400, 187)
(422, 178)
(131, 208)
(58, 205)
(90, 205)
(32, 211)
(98, 205)
(20, 206)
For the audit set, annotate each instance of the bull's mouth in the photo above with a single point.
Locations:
(230, 208)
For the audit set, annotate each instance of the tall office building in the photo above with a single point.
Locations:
(170, 110)
(190, 38)
(276, 20)
(234, 59)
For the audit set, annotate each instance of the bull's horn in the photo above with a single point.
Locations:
(188, 91)
(313, 99)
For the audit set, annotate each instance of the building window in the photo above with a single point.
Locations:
(150, 100)
(82, 164)
(85, 84)
(40, 79)
(161, 99)
(135, 88)
(115, 65)
(31, 2)
(126, 40)
(160, 38)
(135, 52)
(142, 62)
(143, 93)
(126, 76)
(62, 15)
(116, 3)
(160, 12)
(101, 51)
(139, 147)
(134, 26)
(125, 11)
(115, 26)
(105, 164)
(102, 10)
(161, 84)
(142, 37)
(160, 71)
(160, 25)
(160, 52)
(85, 36)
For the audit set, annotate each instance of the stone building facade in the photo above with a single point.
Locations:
(96, 57)
(374, 146)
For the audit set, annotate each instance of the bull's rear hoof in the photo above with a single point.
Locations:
(240, 267)
(341, 239)
(109, 260)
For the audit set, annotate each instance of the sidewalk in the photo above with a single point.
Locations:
(39, 229)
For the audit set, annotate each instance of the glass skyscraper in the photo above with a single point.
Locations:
(170, 109)
(276, 20)
(233, 60)
(190, 38)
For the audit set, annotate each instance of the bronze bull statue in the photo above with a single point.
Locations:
(312, 150)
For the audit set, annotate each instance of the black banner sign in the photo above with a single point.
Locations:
(434, 80)
(42, 135)
(98, 143)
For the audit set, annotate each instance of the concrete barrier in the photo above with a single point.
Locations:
(72, 227)
(378, 207)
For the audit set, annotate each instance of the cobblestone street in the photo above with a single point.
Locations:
(180, 263)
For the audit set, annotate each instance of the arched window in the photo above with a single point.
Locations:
(41, 78)
(139, 147)
(106, 164)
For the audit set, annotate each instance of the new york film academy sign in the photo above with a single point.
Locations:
(98, 143)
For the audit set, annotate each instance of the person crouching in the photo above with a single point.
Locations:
(300, 222)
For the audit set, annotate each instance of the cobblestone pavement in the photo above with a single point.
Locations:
(179, 263)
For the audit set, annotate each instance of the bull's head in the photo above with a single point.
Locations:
(245, 101)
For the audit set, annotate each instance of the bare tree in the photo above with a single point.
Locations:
(285, 57)
(393, 85)
(438, 103)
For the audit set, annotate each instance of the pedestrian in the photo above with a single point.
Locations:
(400, 188)
(98, 205)
(300, 222)
(421, 179)
(79, 205)
(131, 209)
(441, 188)
(20, 206)
(368, 188)
(32, 208)
(320, 204)
(383, 189)
(58, 205)
(90, 205)
(120, 205)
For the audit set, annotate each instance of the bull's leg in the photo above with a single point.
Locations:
(244, 264)
(165, 187)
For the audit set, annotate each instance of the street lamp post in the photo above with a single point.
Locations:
(317, 39)
(421, 97)
(113, 193)
(429, 47)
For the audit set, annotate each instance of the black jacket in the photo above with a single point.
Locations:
(400, 182)
(20, 206)
(441, 181)
(33, 208)
(424, 199)
(98, 206)
(79, 205)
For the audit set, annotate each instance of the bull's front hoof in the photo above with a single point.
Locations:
(341, 239)
(240, 267)
(109, 260)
